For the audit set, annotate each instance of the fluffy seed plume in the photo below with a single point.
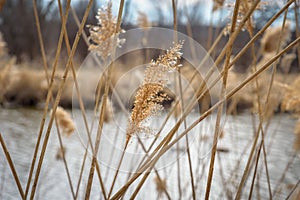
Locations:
(104, 36)
(148, 97)
(64, 121)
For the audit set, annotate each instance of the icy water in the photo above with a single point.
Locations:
(19, 128)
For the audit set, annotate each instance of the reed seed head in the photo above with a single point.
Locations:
(104, 36)
(64, 121)
(148, 97)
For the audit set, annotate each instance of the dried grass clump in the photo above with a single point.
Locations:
(148, 98)
(269, 42)
(5, 77)
(104, 36)
(291, 98)
(64, 121)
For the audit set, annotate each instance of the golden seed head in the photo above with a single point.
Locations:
(148, 98)
(104, 37)
(64, 121)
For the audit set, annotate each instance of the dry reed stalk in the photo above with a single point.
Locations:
(41, 43)
(48, 85)
(60, 88)
(86, 39)
(261, 31)
(104, 36)
(42, 124)
(220, 107)
(283, 175)
(61, 154)
(164, 189)
(152, 159)
(243, 9)
(12, 167)
(262, 107)
(234, 35)
(80, 104)
(148, 99)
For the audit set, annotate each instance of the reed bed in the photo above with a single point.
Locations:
(131, 157)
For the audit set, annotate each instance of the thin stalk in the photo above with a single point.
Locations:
(42, 124)
(262, 111)
(227, 191)
(64, 160)
(142, 181)
(175, 21)
(81, 105)
(118, 169)
(101, 120)
(255, 171)
(42, 48)
(97, 145)
(220, 108)
(282, 177)
(12, 167)
(260, 32)
(48, 82)
(293, 190)
(59, 93)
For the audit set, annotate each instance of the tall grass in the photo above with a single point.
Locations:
(103, 38)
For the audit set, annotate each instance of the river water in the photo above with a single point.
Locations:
(19, 128)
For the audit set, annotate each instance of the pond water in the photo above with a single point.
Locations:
(19, 128)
